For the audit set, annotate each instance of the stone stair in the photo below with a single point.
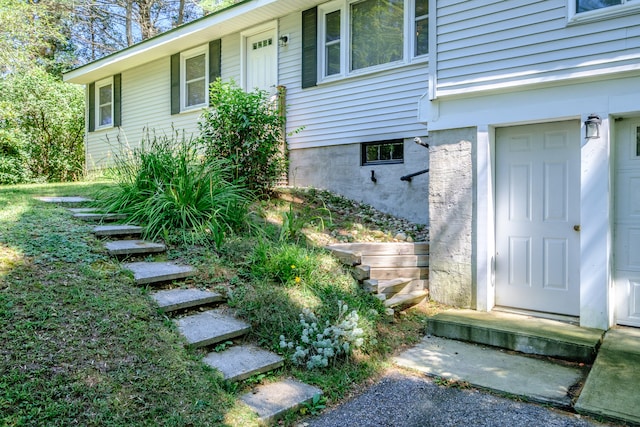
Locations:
(397, 273)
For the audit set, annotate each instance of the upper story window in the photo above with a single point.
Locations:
(104, 103)
(194, 72)
(357, 35)
(585, 10)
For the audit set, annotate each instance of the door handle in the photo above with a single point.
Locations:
(576, 227)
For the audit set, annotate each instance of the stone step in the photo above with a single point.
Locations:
(401, 301)
(361, 272)
(83, 210)
(156, 272)
(178, 299)
(272, 401)
(388, 273)
(64, 199)
(395, 261)
(401, 286)
(210, 327)
(347, 257)
(238, 363)
(383, 248)
(117, 230)
(133, 247)
(521, 333)
(105, 217)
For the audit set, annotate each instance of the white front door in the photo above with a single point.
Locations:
(627, 222)
(261, 61)
(537, 217)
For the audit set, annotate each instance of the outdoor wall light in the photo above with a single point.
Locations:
(592, 127)
(284, 40)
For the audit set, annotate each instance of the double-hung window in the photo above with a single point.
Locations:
(104, 103)
(584, 10)
(195, 82)
(365, 35)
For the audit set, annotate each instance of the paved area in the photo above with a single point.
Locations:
(494, 369)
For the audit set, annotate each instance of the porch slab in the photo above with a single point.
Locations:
(521, 333)
(156, 272)
(490, 368)
(611, 390)
(271, 401)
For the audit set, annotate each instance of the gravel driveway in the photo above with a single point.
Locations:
(407, 399)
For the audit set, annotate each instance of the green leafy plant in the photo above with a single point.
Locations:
(284, 263)
(169, 188)
(246, 129)
(314, 406)
(222, 346)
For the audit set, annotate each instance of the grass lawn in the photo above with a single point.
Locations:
(83, 345)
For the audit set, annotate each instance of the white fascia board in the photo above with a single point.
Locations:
(211, 27)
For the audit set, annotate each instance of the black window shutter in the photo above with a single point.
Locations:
(175, 83)
(215, 60)
(117, 100)
(92, 107)
(310, 47)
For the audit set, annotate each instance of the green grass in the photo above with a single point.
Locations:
(83, 345)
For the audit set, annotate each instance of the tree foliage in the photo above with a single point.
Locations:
(245, 128)
(41, 127)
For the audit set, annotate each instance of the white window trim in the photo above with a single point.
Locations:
(344, 6)
(101, 84)
(184, 56)
(573, 17)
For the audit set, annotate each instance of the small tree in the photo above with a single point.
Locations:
(245, 128)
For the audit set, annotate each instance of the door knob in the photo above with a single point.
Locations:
(576, 227)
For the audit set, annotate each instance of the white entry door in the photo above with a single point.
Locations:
(627, 222)
(261, 61)
(537, 217)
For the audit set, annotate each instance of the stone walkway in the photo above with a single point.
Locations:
(197, 318)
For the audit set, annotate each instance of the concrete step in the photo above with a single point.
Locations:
(611, 389)
(272, 401)
(210, 327)
(177, 299)
(133, 247)
(521, 333)
(104, 217)
(157, 272)
(395, 261)
(84, 210)
(117, 230)
(401, 301)
(383, 248)
(388, 273)
(64, 199)
(238, 363)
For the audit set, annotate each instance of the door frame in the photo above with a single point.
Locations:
(596, 299)
(244, 35)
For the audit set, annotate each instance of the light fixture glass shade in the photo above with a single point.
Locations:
(592, 127)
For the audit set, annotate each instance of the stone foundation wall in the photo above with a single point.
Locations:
(338, 169)
(451, 200)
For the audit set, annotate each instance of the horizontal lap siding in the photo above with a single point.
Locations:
(377, 106)
(482, 43)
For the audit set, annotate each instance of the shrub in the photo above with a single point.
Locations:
(167, 186)
(284, 263)
(14, 160)
(245, 128)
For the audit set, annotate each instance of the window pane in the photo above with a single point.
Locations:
(105, 115)
(385, 152)
(196, 93)
(372, 153)
(376, 32)
(422, 37)
(396, 152)
(195, 67)
(422, 7)
(104, 95)
(333, 59)
(587, 5)
(333, 26)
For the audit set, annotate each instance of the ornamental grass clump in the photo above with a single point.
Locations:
(320, 344)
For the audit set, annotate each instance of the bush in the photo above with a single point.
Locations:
(245, 128)
(167, 186)
(14, 160)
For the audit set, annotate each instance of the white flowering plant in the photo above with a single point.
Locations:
(320, 343)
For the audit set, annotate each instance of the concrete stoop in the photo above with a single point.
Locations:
(521, 333)
(178, 299)
(397, 273)
(117, 230)
(156, 272)
(240, 362)
(210, 327)
(133, 247)
(271, 401)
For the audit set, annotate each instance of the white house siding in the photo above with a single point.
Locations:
(490, 44)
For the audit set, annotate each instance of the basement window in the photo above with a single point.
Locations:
(382, 152)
